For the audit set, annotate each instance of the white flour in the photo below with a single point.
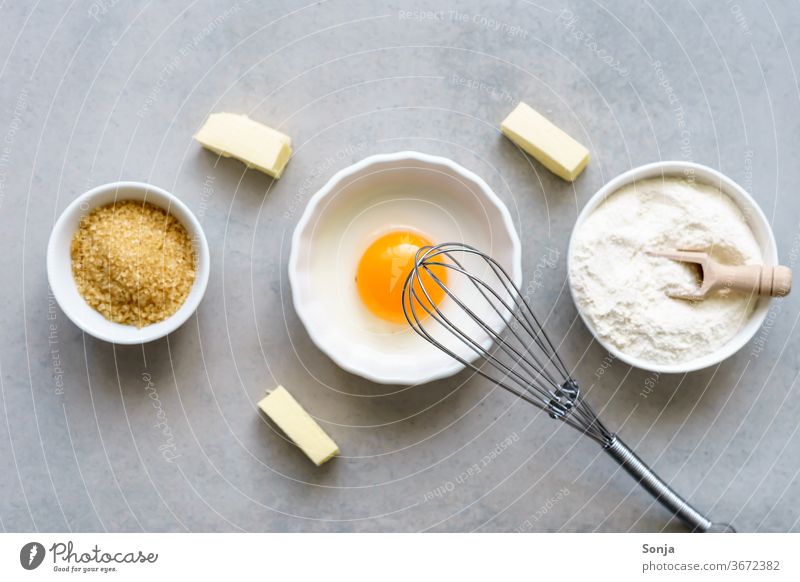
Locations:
(622, 290)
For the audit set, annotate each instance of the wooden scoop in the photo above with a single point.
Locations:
(767, 280)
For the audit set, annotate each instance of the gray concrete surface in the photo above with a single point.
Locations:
(166, 437)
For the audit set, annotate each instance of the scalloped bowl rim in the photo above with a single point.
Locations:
(449, 366)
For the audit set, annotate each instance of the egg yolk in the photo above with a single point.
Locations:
(383, 270)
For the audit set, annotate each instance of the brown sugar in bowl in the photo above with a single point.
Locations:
(169, 295)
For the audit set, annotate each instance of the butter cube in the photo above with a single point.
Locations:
(554, 149)
(237, 136)
(298, 425)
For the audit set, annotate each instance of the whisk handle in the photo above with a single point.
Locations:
(647, 478)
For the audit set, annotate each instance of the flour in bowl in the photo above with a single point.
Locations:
(622, 290)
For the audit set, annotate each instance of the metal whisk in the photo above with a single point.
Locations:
(489, 327)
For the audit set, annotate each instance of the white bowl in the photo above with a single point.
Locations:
(432, 194)
(756, 220)
(59, 263)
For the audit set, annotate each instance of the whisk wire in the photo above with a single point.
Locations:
(500, 341)
(535, 381)
(476, 347)
(535, 329)
(424, 333)
(523, 310)
(516, 352)
(516, 314)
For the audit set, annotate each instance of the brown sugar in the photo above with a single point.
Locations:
(133, 262)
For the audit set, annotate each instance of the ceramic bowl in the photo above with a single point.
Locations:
(59, 263)
(758, 224)
(410, 190)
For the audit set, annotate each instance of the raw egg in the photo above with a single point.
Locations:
(384, 268)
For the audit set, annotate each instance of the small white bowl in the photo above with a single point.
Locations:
(431, 194)
(756, 220)
(59, 263)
